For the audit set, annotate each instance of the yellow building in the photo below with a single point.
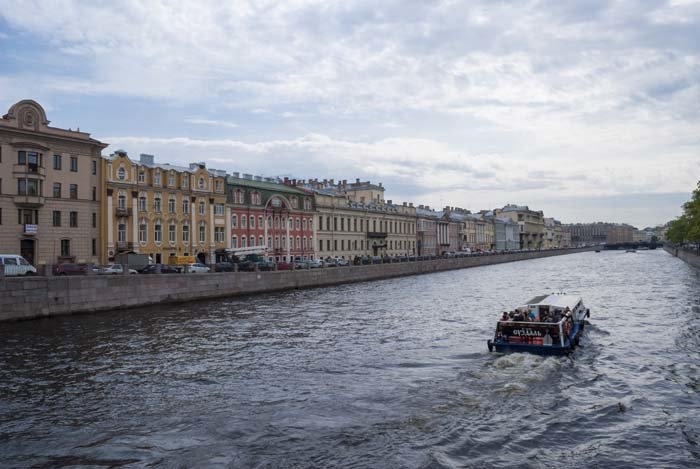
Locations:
(163, 210)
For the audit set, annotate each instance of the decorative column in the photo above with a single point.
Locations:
(135, 221)
(110, 222)
(286, 222)
(212, 241)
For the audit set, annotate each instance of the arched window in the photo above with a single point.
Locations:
(269, 242)
(171, 204)
(269, 222)
(260, 222)
(158, 232)
(172, 233)
(261, 241)
(298, 242)
(185, 233)
(244, 221)
(121, 174)
(234, 221)
(234, 242)
(202, 233)
(143, 231)
(185, 205)
(252, 221)
(252, 241)
(237, 196)
(303, 223)
(243, 243)
(142, 203)
(202, 207)
(200, 183)
(121, 201)
(303, 242)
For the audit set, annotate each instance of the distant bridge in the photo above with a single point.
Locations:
(632, 245)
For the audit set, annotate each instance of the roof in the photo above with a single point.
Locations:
(558, 300)
(264, 185)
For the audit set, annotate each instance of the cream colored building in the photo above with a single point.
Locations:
(50, 189)
(353, 219)
(532, 229)
(163, 210)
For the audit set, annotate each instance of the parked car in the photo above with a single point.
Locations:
(16, 265)
(68, 268)
(329, 262)
(265, 265)
(315, 263)
(197, 268)
(300, 264)
(340, 262)
(114, 269)
(164, 269)
(285, 266)
(224, 267)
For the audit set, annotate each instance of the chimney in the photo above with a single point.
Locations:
(258, 178)
(236, 175)
(410, 204)
(145, 158)
(345, 182)
(380, 184)
(332, 182)
(404, 204)
(388, 202)
(247, 176)
(357, 180)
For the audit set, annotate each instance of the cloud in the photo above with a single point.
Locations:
(216, 123)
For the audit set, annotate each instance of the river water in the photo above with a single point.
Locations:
(392, 373)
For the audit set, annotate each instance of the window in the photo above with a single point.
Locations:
(171, 179)
(94, 220)
(294, 202)
(142, 176)
(252, 221)
(171, 205)
(202, 233)
(94, 167)
(121, 174)
(73, 191)
(269, 222)
(121, 202)
(56, 218)
(158, 232)
(73, 217)
(237, 196)
(243, 243)
(219, 210)
(74, 164)
(65, 247)
(218, 185)
(202, 207)
(261, 241)
(21, 157)
(172, 233)
(234, 242)
(255, 198)
(94, 193)
(57, 162)
(185, 181)
(142, 203)
(156, 178)
(219, 235)
(94, 247)
(200, 183)
(303, 224)
(260, 222)
(244, 221)
(121, 233)
(57, 190)
(320, 246)
(269, 242)
(234, 221)
(143, 231)
(185, 205)
(157, 204)
(252, 241)
(185, 233)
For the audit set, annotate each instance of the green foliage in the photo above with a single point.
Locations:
(686, 228)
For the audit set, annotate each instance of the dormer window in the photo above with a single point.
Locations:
(142, 176)
(200, 183)
(171, 179)
(156, 179)
(121, 174)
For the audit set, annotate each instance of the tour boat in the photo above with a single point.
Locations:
(550, 325)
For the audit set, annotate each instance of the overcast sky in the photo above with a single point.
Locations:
(587, 110)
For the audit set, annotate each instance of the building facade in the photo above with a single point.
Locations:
(426, 231)
(50, 189)
(354, 220)
(532, 229)
(271, 218)
(506, 234)
(162, 210)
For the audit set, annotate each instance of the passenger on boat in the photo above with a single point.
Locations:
(505, 317)
(519, 316)
(533, 316)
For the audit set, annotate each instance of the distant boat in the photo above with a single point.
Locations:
(597, 250)
(631, 250)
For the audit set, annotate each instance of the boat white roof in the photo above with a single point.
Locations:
(557, 300)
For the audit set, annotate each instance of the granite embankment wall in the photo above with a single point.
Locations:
(36, 297)
(687, 256)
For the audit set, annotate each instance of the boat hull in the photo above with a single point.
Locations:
(546, 350)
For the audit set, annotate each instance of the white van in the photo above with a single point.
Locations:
(16, 265)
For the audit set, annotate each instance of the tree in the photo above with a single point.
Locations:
(686, 228)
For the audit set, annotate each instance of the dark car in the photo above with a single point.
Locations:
(246, 266)
(70, 269)
(265, 265)
(164, 269)
(224, 267)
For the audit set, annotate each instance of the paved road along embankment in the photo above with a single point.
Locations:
(687, 256)
(36, 297)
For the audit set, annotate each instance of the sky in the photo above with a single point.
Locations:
(588, 110)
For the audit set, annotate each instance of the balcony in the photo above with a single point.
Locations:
(376, 234)
(29, 201)
(123, 211)
(25, 169)
(30, 229)
(125, 245)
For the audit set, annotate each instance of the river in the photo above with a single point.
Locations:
(392, 373)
